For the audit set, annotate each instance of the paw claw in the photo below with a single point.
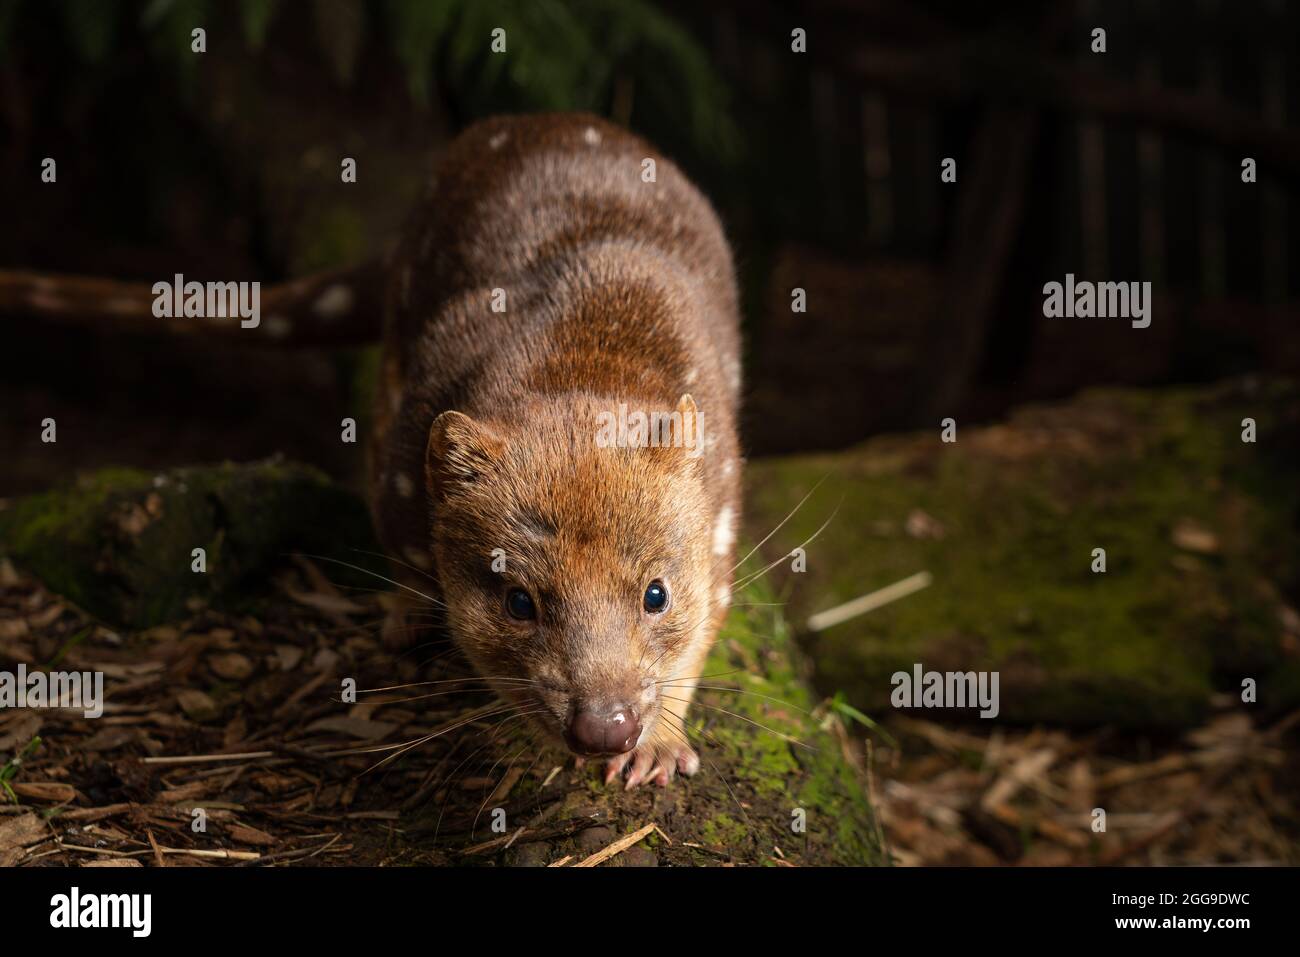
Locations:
(642, 766)
(614, 767)
(652, 763)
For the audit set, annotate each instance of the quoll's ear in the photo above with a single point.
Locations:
(460, 449)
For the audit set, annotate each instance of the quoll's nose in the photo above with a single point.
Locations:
(606, 731)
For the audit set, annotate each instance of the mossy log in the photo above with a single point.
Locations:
(1199, 528)
(120, 543)
(778, 782)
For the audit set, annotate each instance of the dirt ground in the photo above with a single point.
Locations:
(1223, 794)
(294, 778)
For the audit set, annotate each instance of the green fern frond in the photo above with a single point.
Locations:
(416, 29)
(256, 17)
(340, 30)
(91, 25)
(170, 25)
(560, 54)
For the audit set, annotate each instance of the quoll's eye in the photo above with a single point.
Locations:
(656, 597)
(520, 604)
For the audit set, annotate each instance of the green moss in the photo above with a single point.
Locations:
(120, 542)
(784, 764)
(1022, 506)
(723, 830)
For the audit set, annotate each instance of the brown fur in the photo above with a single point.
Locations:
(617, 291)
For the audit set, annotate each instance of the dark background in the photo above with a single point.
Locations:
(924, 298)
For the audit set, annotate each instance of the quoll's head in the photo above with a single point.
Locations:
(576, 574)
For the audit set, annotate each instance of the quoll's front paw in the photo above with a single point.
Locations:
(652, 761)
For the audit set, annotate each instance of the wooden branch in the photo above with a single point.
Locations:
(341, 307)
(988, 219)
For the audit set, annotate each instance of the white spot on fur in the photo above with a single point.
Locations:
(417, 558)
(724, 596)
(691, 376)
(733, 373)
(591, 136)
(333, 302)
(405, 487)
(498, 140)
(723, 533)
(729, 468)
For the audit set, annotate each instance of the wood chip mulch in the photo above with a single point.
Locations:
(241, 718)
(1224, 793)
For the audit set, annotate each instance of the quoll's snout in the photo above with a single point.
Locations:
(594, 731)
